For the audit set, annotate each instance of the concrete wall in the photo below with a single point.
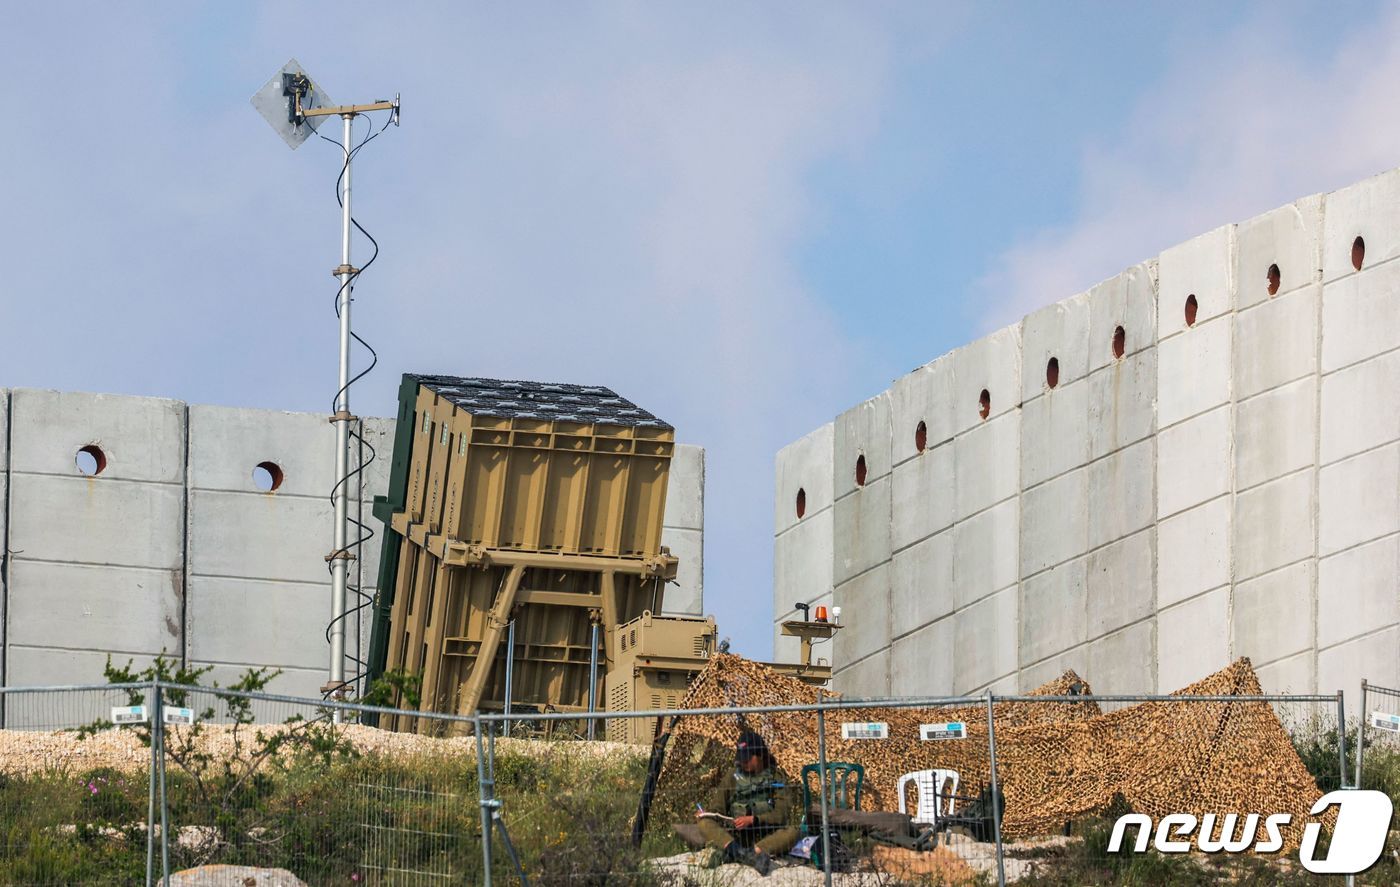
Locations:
(173, 549)
(1228, 487)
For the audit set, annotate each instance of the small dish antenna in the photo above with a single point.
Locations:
(295, 106)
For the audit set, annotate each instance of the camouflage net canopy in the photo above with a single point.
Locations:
(1056, 761)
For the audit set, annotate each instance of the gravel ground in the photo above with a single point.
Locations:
(27, 751)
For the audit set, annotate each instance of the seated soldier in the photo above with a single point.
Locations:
(760, 801)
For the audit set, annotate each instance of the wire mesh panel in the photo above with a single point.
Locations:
(74, 788)
(1377, 734)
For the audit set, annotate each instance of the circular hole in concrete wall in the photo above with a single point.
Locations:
(984, 404)
(267, 476)
(860, 471)
(90, 460)
(1120, 341)
(1358, 253)
(1274, 279)
(1052, 372)
(1191, 310)
(801, 502)
(920, 436)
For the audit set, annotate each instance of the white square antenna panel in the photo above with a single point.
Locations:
(275, 106)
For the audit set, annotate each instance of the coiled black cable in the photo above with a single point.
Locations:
(363, 531)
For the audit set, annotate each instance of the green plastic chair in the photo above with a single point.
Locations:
(844, 782)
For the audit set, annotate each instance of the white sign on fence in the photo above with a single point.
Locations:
(1383, 721)
(951, 730)
(179, 716)
(129, 714)
(879, 730)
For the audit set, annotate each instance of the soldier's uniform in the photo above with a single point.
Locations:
(768, 797)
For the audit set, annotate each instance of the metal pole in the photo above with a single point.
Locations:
(1341, 742)
(1361, 734)
(339, 556)
(510, 673)
(996, 804)
(151, 804)
(821, 773)
(164, 806)
(593, 680)
(485, 805)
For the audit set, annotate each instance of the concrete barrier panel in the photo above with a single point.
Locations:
(862, 531)
(988, 460)
(1370, 209)
(986, 553)
(1055, 433)
(1123, 403)
(685, 489)
(1119, 578)
(1267, 626)
(1193, 462)
(1194, 551)
(921, 584)
(1193, 640)
(925, 395)
(1375, 657)
(991, 364)
(1129, 301)
(1120, 498)
(869, 678)
(922, 495)
(1356, 591)
(1276, 341)
(1274, 525)
(1053, 608)
(984, 641)
(865, 613)
(1124, 662)
(1360, 316)
(1059, 331)
(1288, 238)
(1203, 268)
(922, 663)
(686, 597)
(1276, 433)
(1054, 522)
(1358, 499)
(802, 558)
(803, 466)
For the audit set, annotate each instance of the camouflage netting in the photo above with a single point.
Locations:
(1056, 762)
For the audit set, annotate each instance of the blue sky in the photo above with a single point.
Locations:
(744, 217)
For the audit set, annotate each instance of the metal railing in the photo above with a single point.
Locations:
(241, 778)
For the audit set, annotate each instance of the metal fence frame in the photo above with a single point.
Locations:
(486, 726)
(1364, 720)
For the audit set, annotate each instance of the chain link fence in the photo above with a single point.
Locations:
(982, 790)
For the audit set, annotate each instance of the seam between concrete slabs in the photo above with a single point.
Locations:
(259, 579)
(100, 480)
(90, 650)
(1360, 637)
(1095, 639)
(185, 544)
(783, 532)
(951, 613)
(105, 566)
(1094, 550)
(1356, 363)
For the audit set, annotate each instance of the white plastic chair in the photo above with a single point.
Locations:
(929, 784)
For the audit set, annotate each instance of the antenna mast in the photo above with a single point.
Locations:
(296, 106)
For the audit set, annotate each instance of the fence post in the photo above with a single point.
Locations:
(996, 803)
(822, 776)
(485, 803)
(1341, 741)
(151, 804)
(158, 725)
(1360, 734)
